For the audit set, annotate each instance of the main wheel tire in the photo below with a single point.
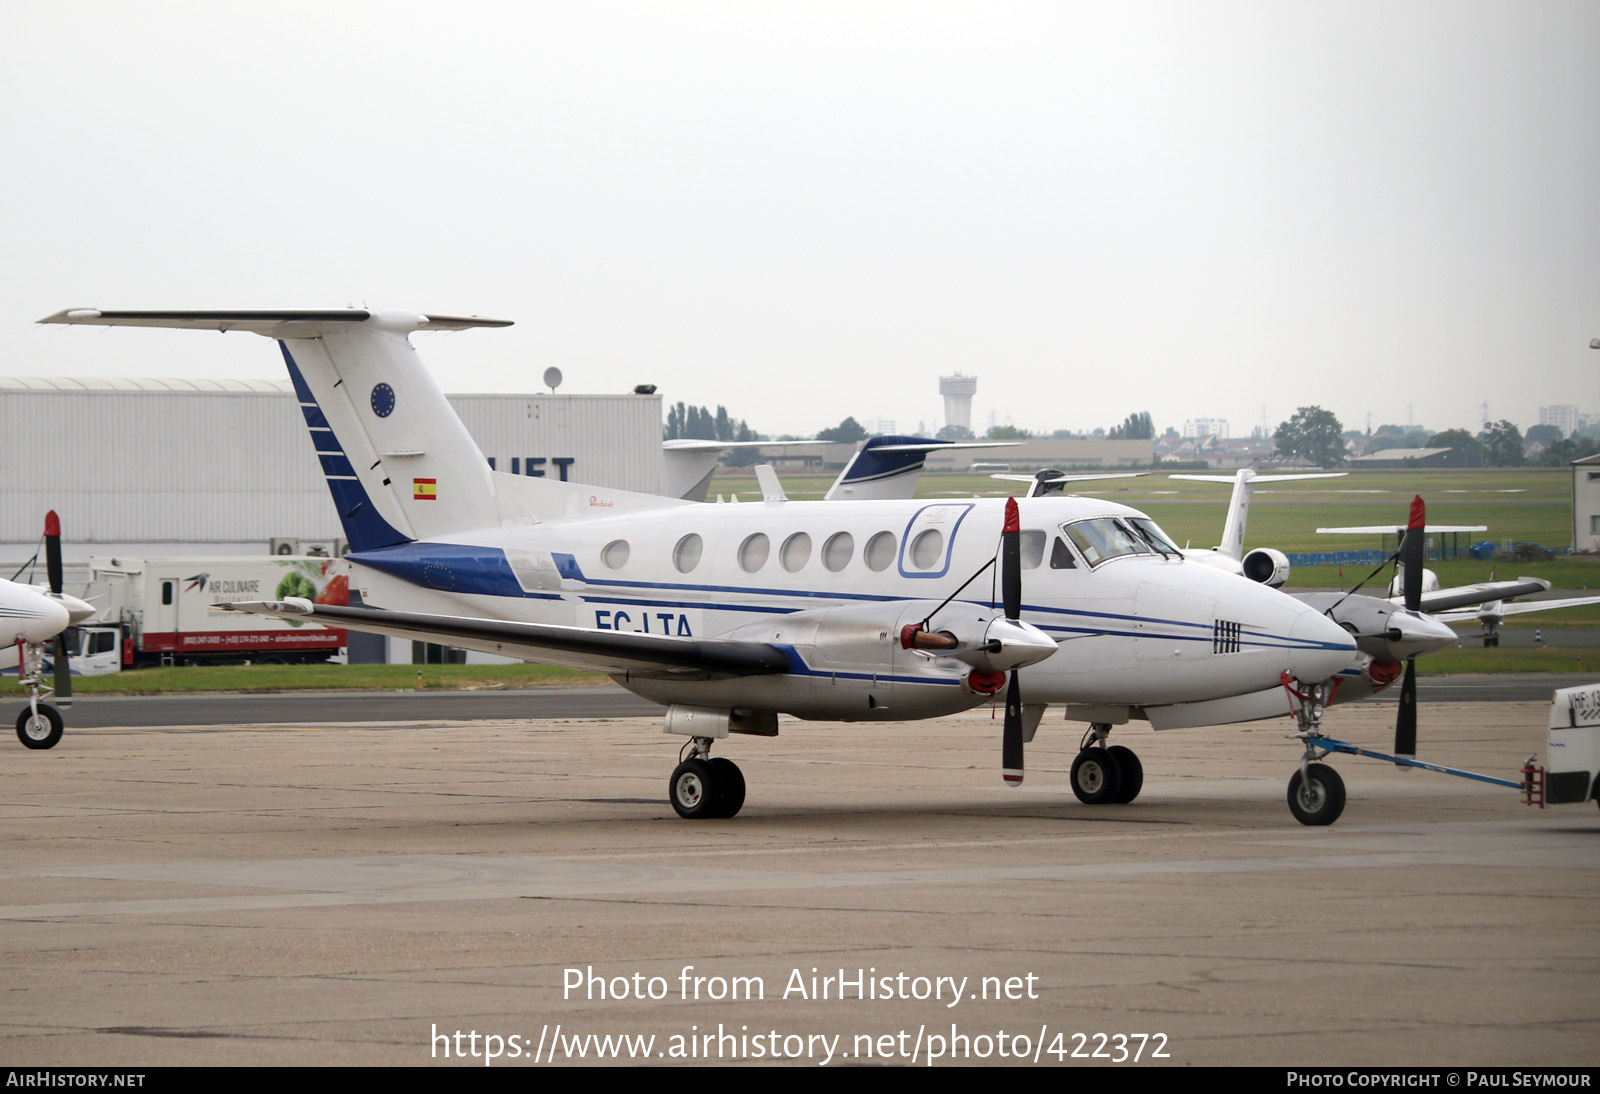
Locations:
(1132, 774)
(729, 783)
(42, 730)
(1096, 776)
(1319, 799)
(693, 790)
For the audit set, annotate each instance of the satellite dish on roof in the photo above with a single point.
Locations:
(552, 378)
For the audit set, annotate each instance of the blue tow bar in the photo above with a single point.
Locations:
(1331, 745)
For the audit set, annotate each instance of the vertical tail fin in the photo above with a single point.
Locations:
(399, 463)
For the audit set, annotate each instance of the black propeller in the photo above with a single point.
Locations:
(1011, 603)
(52, 563)
(1411, 560)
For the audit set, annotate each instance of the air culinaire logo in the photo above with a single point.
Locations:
(203, 583)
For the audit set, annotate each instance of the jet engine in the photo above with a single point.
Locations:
(1267, 566)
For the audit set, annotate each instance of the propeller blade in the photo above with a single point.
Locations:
(1405, 724)
(52, 550)
(52, 565)
(1011, 744)
(1011, 563)
(63, 672)
(1011, 601)
(1411, 559)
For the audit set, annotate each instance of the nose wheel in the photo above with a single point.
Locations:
(1316, 795)
(39, 728)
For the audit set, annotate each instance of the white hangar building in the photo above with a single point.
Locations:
(147, 467)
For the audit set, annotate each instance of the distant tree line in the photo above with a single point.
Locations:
(697, 423)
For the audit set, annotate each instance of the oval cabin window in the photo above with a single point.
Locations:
(837, 552)
(686, 555)
(753, 552)
(880, 551)
(796, 552)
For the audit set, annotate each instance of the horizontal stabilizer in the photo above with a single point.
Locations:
(1257, 480)
(274, 324)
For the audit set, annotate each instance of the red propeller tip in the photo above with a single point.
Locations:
(1419, 517)
(52, 524)
(1013, 778)
(1013, 521)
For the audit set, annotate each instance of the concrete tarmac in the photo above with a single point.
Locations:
(356, 893)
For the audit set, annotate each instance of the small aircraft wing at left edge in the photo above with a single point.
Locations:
(612, 652)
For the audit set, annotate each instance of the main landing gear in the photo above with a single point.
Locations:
(705, 788)
(1316, 791)
(1105, 774)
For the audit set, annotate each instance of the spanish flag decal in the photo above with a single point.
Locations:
(424, 489)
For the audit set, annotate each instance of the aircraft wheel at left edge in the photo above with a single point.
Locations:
(1318, 800)
(706, 789)
(42, 730)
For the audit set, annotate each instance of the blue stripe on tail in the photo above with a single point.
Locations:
(364, 527)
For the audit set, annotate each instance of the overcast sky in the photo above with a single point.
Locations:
(804, 211)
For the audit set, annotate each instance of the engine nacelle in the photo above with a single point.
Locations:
(1267, 566)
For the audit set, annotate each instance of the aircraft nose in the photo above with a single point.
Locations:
(37, 617)
(1320, 646)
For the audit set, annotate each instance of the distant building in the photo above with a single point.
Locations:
(1400, 458)
(1586, 504)
(958, 391)
(1205, 427)
(1563, 416)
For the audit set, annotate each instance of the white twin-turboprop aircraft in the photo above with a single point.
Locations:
(732, 614)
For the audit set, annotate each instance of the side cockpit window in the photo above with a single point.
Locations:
(1103, 539)
(1032, 545)
(1061, 556)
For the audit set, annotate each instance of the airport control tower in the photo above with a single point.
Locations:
(958, 391)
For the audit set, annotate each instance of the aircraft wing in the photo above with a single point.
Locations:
(612, 652)
(1462, 596)
(1073, 477)
(1471, 615)
(1391, 529)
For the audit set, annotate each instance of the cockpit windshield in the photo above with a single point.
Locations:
(1153, 535)
(1105, 538)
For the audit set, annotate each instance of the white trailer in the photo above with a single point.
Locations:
(1574, 746)
(160, 611)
